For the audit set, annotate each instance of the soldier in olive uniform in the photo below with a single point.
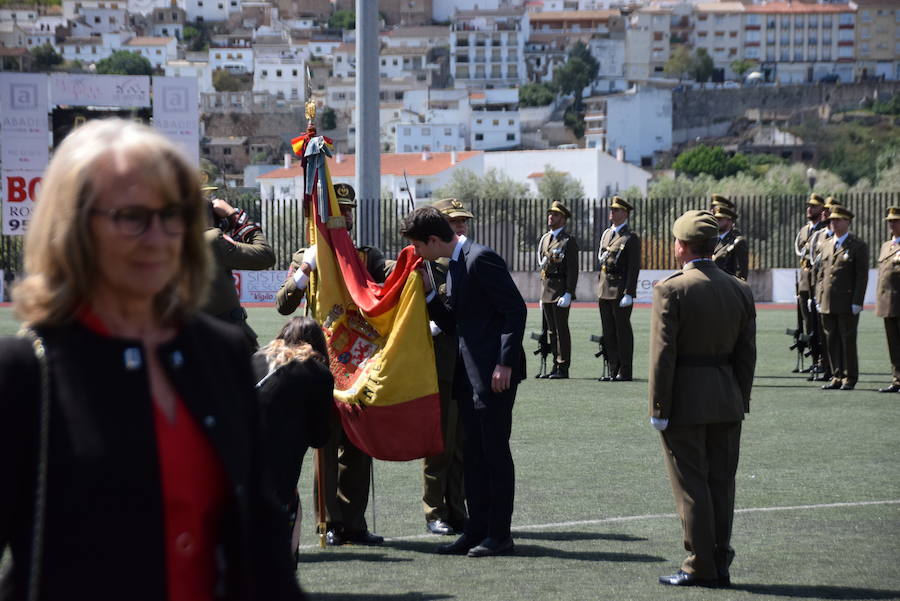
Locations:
(815, 208)
(720, 200)
(236, 243)
(346, 468)
(558, 257)
(444, 498)
(620, 263)
(699, 390)
(888, 295)
(845, 274)
(818, 242)
(732, 254)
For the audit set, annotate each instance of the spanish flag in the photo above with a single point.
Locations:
(379, 342)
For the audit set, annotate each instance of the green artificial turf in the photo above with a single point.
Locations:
(594, 514)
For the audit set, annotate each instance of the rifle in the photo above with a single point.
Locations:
(801, 344)
(543, 350)
(601, 352)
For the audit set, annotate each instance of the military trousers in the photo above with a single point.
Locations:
(810, 321)
(346, 480)
(892, 329)
(618, 338)
(444, 496)
(702, 462)
(840, 339)
(558, 330)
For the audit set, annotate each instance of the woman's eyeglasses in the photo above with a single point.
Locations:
(134, 221)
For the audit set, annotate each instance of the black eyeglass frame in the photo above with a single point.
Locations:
(174, 219)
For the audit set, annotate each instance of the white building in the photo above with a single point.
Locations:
(487, 47)
(12, 35)
(235, 59)
(43, 31)
(442, 10)
(636, 124)
(609, 50)
(429, 137)
(23, 15)
(719, 29)
(156, 50)
(427, 36)
(211, 10)
(145, 7)
(282, 76)
(198, 70)
(599, 173)
(494, 123)
(343, 61)
(168, 22)
(94, 21)
(648, 43)
(93, 49)
(72, 9)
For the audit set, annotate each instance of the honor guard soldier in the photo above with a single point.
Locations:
(732, 254)
(845, 274)
(818, 242)
(815, 208)
(620, 263)
(444, 498)
(699, 388)
(346, 477)
(558, 257)
(888, 295)
(720, 200)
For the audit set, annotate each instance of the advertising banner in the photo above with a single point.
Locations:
(647, 279)
(24, 143)
(783, 290)
(176, 112)
(258, 286)
(100, 90)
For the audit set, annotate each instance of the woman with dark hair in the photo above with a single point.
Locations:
(296, 390)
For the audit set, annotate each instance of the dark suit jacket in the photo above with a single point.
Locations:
(104, 517)
(488, 313)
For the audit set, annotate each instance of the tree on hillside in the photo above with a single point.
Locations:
(679, 62)
(578, 72)
(743, 65)
(45, 57)
(124, 62)
(702, 65)
(709, 160)
(559, 185)
(536, 94)
(329, 118)
(342, 19)
(225, 81)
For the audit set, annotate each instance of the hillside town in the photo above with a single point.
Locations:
(506, 84)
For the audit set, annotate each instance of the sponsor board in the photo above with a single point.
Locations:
(258, 286)
(784, 290)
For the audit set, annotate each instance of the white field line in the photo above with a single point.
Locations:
(653, 516)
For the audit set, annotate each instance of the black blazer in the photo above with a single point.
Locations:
(488, 313)
(297, 400)
(104, 524)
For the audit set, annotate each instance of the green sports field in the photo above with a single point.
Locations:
(818, 491)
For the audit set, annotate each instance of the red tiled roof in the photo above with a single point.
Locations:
(798, 8)
(538, 174)
(573, 15)
(391, 164)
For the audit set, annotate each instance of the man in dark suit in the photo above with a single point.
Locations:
(700, 381)
(487, 312)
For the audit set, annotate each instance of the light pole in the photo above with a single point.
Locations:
(811, 177)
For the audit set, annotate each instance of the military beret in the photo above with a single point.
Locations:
(893, 214)
(346, 195)
(558, 207)
(723, 211)
(452, 208)
(839, 212)
(620, 203)
(719, 200)
(695, 226)
(815, 200)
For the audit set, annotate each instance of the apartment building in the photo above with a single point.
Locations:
(487, 47)
(719, 29)
(168, 22)
(211, 10)
(633, 125)
(878, 39)
(495, 123)
(231, 54)
(648, 42)
(797, 42)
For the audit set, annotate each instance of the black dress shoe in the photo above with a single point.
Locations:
(561, 373)
(439, 527)
(362, 538)
(848, 386)
(621, 378)
(605, 379)
(833, 385)
(493, 546)
(333, 538)
(682, 578)
(460, 546)
(891, 388)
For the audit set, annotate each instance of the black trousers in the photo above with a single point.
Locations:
(490, 481)
(892, 330)
(558, 330)
(617, 336)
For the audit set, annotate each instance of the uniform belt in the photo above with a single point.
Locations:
(703, 360)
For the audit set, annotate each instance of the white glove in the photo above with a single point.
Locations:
(818, 307)
(309, 257)
(659, 423)
(856, 309)
(811, 304)
(435, 329)
(564, 301)
(626, 301)
(301, 279)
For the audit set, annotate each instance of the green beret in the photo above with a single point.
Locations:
(695, 226)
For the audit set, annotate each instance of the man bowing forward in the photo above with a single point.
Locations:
(487, 312)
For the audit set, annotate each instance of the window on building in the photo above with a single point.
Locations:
(733, 34)
(278, 73)
(845, 35)
(226, 151)
(785, 21)
(798, 54)
(863, 48)
(813, 20)
(701, 34)
(785, 54)
(770, 54)
(426, 131)
(845, 19)
(752, 36)
(407, 148)
(407, 131)
(752, 52)
(826, 53)
(812, 53)
(826, 21)
(479, 137)
(770, 22)
(865, 33)
(799, 22)
(845, 51)
(384, 62)
(770, 37)
(865, 16)
(495, 122)
(753, 19)
(510, 137)
(720, 34)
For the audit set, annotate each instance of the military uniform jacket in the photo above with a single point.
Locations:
(701, 374)
(732, 254)
(620, 263)
(559, 265)
(887, 296)
(818, 242)
(845, 273)
(289, 296)
(255, 254)
(803, 249)
(446, 346)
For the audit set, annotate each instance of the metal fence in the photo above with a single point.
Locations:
(513, 227)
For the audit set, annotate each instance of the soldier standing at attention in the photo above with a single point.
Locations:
(845, 274)
(443, 498)
(720, 200)
(620, 263)
(731, 254)
(803, 249)
(818, 241)
(699, 389)
(558, 256)
(346, 477)
(888, 295)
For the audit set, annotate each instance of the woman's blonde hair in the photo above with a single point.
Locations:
(60, 255)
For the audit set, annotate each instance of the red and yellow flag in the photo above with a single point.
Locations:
(379, 342)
